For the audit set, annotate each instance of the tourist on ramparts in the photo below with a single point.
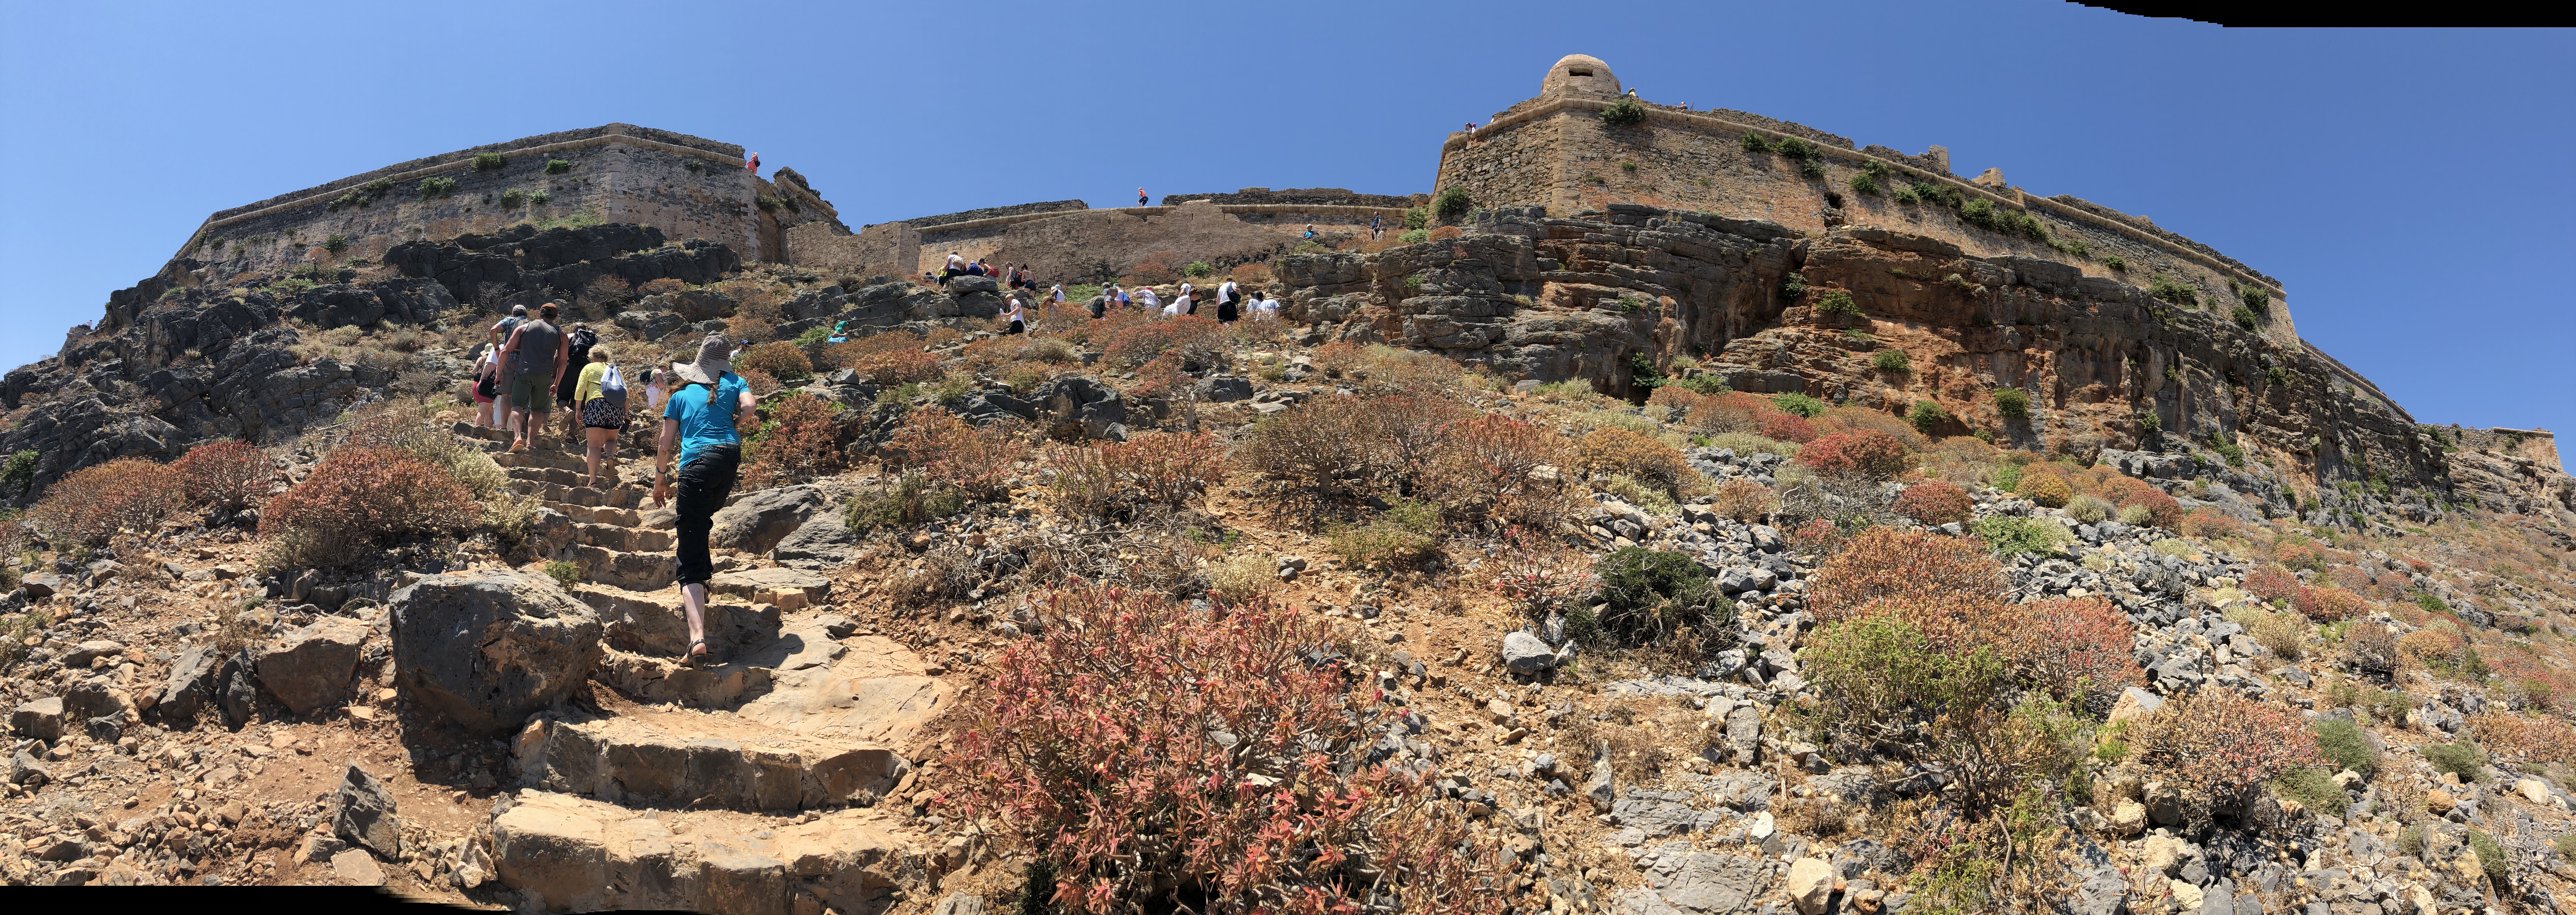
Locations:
(703, 424)
(537, 356)
(1374, 229)
(1140, 196)
(601, 392)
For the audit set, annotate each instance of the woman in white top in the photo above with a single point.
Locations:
(1267, 310)
(1180, 306)
(488, 368)
(1018, 317)
(1055, 293)
(1184, 297)
(657, 389)
(1144, 295)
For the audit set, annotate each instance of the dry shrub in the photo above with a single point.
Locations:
(1198, 340)
(2539, 739)
(782, 360)
(976, 461)
(1935, 503)
(225, 474)
(2075, 647)
(1480, 462)
(2299, 554)
(1718, 414)
(2326, 605)
(2045, 489)
(2273, 584)
(2221, 748)
(93, 503)
(2162, 510)
(1867, 454)
(1153, 753)
(660, 286)
(1885, 563)
(2282, 634)
(360, 497)
(1788, 427)
(2370, 648)
(796, 443)
(1321, 445)
(1881, 681)
(2435, 650)
(890, 368)
(2209, 524)
(1114, 479)
(1744, 500)
(1410, 371)
(1340, 358)
(1156, 269)
(1243, 577)
(762, 384)
(1616, 450)
(1680, 399)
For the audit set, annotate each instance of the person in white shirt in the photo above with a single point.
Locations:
(1180, 305)
(1267, 309)
(1184, 297)
(1018, 316)
(1144, 295)
(1055, 293)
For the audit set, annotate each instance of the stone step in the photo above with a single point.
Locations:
(583, 496)
(566, 853)
(575, 461)
(672, 757)
(790, 589)
(597, 514)
(622, 569)
(624, 538)
(652, 622)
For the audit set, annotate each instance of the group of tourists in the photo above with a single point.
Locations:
(957, 266)
(1231, 302)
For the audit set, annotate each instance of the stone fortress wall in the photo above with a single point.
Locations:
(1555, 150)
(2536, 444)
(1067, 240)
(687, 186)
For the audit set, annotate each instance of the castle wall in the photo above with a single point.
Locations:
(1560, 154)
(686, 186)
(884, 249)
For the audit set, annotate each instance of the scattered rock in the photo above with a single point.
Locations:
(41, 719)
(1527, 653)
(1810, 885)
(309, 670)
(356, 869)
(83, 653)
(184, 691)
(366, 815)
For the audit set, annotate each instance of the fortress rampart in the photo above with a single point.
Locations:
(687, 186)
(1556, 150)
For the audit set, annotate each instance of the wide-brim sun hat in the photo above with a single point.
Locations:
(711, 363)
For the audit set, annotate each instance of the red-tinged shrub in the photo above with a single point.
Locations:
(2274, 584)
(1788, 427)
(1154, 754)
(795, 444)
(1113, 479)
(1817, 537)
(1867, 454)
(1475, 463)
(2081, 645)
(1339, 358)
(2162, 510)
(2299, 555)
(2326, 605)
(1721, 414)
(891, 368)
(1935, 503)
(2221, 748)
(977, 461)
(93, 503)
(360, 497)
(1886, 563)
(782, 360)
(226, 474)
(1680, 399)
(2209, 524)
(2351, 578)
(761, 383)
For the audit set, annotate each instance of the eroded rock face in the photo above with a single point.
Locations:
(487, 649)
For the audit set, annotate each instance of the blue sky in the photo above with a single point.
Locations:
(2411, 188)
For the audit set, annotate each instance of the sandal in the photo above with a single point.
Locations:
(697, 656)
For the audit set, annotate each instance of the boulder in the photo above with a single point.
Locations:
(94, 697)
(355, 868)
(1226, 389)
(1527, 653)
(693, 305)
(756, 522)
(235, 690)
(39, 720)
(42, 585)
(26, 769)
(2134, 703)
(309, 670)
(653, 325)
(1086, 403)
(961, 285)
(83, 653)
(366, 815)
(823, 542)
(1810, 885)
(486, 649)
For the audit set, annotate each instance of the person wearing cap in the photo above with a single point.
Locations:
(537, 356)
(703, 423)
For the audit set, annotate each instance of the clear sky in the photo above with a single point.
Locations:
(2412, 188)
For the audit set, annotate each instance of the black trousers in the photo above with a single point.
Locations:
(705, 482)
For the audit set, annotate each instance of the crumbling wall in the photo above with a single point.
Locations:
(887, 248)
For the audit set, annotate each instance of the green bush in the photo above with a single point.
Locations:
(564, 573)
(433, 188)
(1812, 169)
(2149, 422)
(2115, 262)
(557, 166)
(2344, 743)
(1754, 143)
(1416, 218)
(1400, 536)
(540, 198)
(2255, 298)
(1837, 302)
(1864, 184)
(1926, 415)
(2313, 789)
(2012, 402)
(1801, 404)
(1793, 286)
(1414, 236)
(1878, 681)
(2015, 536)
(812, 336)
(1906, 196)
(1451, 204)
(1649, 595)
(2244, 317)
(513, 197)
(1623, 113)
(2491, 857)
(913, 501)
(336, 243)
(2175, 292)
(19, 471)
(2465, 758)
(490, 162)
(1891, 360)
(1794, 148)
(1704, 384)
(1197, 270)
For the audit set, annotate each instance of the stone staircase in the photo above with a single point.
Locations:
(744, 785)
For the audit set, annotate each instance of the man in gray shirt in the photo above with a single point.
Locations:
(536, 356)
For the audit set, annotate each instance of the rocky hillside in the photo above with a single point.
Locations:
(1133, 614)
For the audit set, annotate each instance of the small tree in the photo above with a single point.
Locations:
(1452, 204)
(1624, 112)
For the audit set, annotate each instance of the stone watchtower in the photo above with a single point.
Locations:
(1579, 76)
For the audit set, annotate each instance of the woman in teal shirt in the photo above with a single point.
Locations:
(704, 419)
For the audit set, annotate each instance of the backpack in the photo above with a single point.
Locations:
(612, 388)
(582, 341)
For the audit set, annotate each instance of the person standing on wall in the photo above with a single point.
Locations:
(751, 163)
(1374, 230)
(577, 350)
(704, 421)
(537, 355)
(1140, 196)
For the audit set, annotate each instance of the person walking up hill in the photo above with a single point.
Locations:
(537, 356)
(703, 423)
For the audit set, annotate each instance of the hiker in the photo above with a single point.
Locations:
(1018, 317)
(1374, 230)
(1310, 231)
(1055, 295)
(487, 385)
(751, 163)
(1140, 196)
(704, 420)
(537, 356)
(501, 380)
(1145, 297)
(1267, 309)
(601, 392)
(1120, 295)
(956, 268)
(501, 330)
(577, 351)
(657, 388)
(1184, 298)
(1471, 131)
(978, 269)
(1226, 295)
(1100, 306)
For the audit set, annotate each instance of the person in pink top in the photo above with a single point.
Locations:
(751, 163)
(1140, 196)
